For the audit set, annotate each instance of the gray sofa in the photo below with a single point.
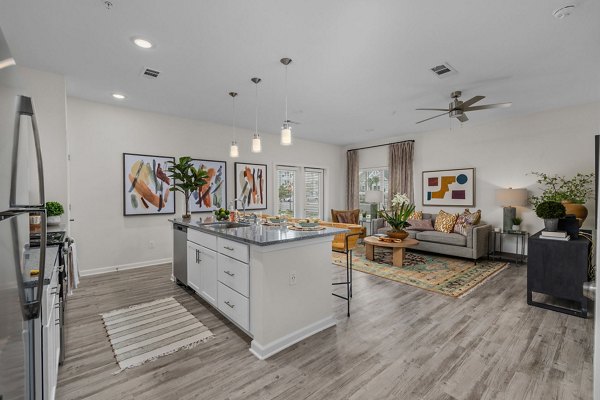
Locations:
(473, 246)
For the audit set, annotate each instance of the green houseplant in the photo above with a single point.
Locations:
(572, 192)
(550, 212)
(54, 210)
(186, 179)
(397, 217)
(516, 223)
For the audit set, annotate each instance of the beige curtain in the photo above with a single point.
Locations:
(401, 170)
(352, 179)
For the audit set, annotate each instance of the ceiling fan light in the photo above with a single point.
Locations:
(234, 151)
(256, 144)
(286, 135)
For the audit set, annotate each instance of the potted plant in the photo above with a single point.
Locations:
(54, 210)
(573, 192)
(516, 221)
(397, 217)
(550, 212)
(186, 179)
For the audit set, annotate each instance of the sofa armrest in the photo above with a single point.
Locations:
(480, 236)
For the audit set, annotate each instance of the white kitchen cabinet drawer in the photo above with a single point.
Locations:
(203, 239)
(234, 274)
(239, 251)
(235, 306)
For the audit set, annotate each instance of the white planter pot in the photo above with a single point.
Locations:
(516, 227)
(54, 220)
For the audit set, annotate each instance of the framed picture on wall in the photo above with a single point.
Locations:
(251, 185)
(450, 187)
(146, 185)
(212, 195)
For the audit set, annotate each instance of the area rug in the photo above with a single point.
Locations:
(147, 331)
(449, 276)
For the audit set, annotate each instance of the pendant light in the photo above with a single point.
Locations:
(286, 129)
(256, 144)
(234, 152)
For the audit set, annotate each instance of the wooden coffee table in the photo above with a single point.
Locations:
(399, 247)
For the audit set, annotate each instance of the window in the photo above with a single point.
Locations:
(286, 188)
(373, 179)
(300, 191)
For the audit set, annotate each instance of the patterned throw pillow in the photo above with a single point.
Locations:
(444, 221)
(466, 220)
(420, 225)
(416, 215)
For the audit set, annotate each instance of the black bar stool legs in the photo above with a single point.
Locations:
(348, 281)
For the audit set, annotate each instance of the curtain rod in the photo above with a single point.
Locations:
(379, 145)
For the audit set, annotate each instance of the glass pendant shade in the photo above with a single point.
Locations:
(256, 145)
(286, 135)
(234, 151)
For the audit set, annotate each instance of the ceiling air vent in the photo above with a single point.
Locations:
(443, 70)
(150, 73)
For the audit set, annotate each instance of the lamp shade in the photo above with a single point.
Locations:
(373, 196)
(511, 197)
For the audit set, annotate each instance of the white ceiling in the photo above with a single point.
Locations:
(359, 69)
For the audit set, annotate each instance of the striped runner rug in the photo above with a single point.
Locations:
(144, 332)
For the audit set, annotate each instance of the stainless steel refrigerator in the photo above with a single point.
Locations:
(21, 197)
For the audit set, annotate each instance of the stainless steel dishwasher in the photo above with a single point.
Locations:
(180, 254)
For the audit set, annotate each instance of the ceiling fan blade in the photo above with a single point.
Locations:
(446, 113)
(293, 122)
(488, 106)
(462, 118)
(472, 100)
(431, 109)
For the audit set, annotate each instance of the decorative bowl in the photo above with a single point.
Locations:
(308, 224)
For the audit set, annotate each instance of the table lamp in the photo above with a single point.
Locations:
(374, 197)
(508, 198)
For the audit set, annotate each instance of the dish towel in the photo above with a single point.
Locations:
(73, 273)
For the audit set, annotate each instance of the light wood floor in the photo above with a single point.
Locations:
(400, 343)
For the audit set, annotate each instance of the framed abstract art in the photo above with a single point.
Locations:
(251, 185)
(146, 185)
(451, 187)
(212, 195)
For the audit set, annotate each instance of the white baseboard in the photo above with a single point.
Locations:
(116, 268)
(263, 352)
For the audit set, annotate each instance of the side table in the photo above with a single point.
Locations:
(495, 247)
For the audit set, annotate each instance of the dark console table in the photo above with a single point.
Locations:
(559, 269)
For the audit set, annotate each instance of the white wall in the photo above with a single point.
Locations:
(503, 152)
(99, 134)
(48, 94)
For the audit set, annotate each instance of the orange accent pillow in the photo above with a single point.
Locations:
(444, 221)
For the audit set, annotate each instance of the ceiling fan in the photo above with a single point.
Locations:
(456, 109)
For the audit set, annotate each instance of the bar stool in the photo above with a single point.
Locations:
(346, 246)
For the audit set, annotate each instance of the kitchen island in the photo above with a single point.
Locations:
(274, 283)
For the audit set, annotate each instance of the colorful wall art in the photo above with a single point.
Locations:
(146, 185)
(251, 185)
(452, 187)
(212, 195)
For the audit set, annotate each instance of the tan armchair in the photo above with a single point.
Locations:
(348, 217)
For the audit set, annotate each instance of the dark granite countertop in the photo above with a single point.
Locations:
(260, 235)
(32, 261)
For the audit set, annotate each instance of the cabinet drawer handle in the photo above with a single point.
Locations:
(57, 322)
(229, 304)
(229, 273)
(228, 248)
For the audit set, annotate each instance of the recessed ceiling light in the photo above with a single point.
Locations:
(144, 44)
(118, 96)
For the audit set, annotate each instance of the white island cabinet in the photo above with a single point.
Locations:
(273, 283)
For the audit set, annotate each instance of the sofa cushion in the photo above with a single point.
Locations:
(420, 225)
(466, 220)
(445, 221)
(453, 239)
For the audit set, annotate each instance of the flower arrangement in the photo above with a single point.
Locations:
(401, 210)
(558, 188)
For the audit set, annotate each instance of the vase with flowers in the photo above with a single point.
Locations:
(397, 217)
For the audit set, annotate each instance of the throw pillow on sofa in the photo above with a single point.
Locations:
(420, 225)
(416, 215)
(466, 220)
(444, 221)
